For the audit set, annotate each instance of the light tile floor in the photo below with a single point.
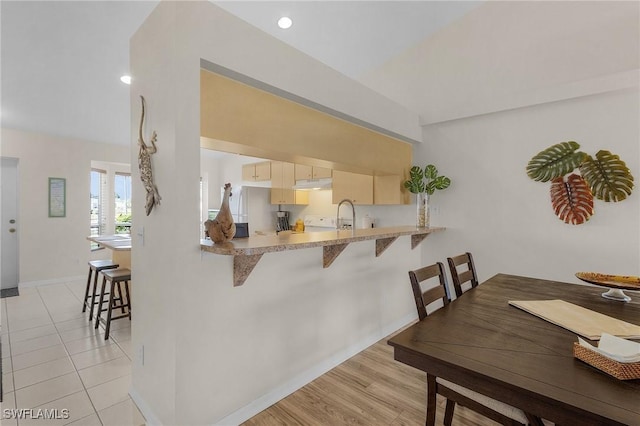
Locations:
(52, 358)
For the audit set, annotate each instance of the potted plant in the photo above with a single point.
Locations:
(424, 183)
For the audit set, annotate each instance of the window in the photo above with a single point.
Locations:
(98, 210)
(122, 199)
(110, 196)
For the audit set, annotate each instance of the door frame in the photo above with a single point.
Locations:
(13, 162)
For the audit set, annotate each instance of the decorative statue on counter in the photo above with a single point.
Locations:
(144, 163)
(222, 229)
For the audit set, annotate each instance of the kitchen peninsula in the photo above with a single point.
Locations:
(247, 252)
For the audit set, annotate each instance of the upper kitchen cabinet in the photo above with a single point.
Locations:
(356, 187)
(256, 172)
(282, 174)
(308, 172)
(282, 181)
(389, 190)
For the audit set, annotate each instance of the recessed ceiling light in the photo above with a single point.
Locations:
(285, 22)
(126, 79)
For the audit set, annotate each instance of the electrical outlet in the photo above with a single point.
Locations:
(140, 232)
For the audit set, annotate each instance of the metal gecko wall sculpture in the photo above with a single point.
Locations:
(144, 163)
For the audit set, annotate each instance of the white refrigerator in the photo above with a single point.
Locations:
(252, 205)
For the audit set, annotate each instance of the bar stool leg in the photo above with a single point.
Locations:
(109, 309)
(122, 304)
(126, 289)
(86, 293)
(104, 284)
(93, 295)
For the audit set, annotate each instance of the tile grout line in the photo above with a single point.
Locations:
(69, 356)
(127, 356)
(13, 380)
(76, 370)
(62, 342)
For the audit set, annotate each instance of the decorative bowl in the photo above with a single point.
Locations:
(617, 283)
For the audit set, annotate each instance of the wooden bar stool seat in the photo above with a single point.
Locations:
(95, 267)
(115, 277)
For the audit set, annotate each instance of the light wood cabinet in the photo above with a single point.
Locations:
(282, 181)
(389, 190)
(308, 172)
(356, 187)
(256, 172)
(302, 197)
(283, 196)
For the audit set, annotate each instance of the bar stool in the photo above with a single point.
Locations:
(95, 267)
(115, 277)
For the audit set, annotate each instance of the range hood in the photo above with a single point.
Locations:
(309, 184)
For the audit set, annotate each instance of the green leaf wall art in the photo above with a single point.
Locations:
(605, 177)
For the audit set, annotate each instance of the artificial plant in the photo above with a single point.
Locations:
(426, 181)
(605, 177)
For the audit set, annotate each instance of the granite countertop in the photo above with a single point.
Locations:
(259, 244)
(247, 252)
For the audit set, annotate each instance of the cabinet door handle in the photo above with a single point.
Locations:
(12, 230)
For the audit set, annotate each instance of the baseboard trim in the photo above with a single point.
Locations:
(149, 416)
(245, 413)
(51, 281)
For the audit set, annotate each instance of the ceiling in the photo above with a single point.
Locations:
(61, 60)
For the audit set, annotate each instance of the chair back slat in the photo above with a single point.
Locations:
(459, 259)
(465, 276)
(427, 272)
(433, 294)
(468, 275)
(425, 298)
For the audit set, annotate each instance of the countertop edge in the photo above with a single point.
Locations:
(256, 245)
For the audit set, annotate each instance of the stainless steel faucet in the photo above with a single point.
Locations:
(353, 211)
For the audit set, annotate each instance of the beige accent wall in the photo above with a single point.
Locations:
(236, 117)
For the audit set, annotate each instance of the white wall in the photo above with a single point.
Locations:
(210, 348)
(40, 157)
(495, 211)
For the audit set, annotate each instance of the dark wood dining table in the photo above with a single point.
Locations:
(481, 342)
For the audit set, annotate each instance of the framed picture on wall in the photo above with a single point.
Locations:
(57, 197)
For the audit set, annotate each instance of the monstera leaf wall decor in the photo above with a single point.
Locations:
(605, 177)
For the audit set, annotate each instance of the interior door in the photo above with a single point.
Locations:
(8, 218)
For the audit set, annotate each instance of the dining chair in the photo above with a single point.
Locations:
(466, 275)
(431, 295)
(436, 290)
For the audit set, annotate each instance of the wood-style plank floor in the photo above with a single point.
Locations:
(368, 389)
